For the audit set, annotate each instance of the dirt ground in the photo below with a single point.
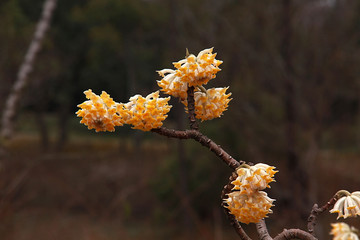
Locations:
(104, 188)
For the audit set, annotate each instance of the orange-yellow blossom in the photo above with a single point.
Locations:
(100, 112)
(198, 70)
(246, 202)
(171, 84)
(342, 231)
(249, 208)
(210, 104)
(191, 71)
(147, 113)
(254, 178)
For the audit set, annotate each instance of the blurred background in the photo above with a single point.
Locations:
(293, 67)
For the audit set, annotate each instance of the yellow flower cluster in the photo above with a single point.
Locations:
(247, 202)
(147, 113)
(191, 71)
(195, 71)
(210, 104)
(342, 231)
(254, 178)
(249, 208)
(347, 206)
(102, 113)
(198, 70)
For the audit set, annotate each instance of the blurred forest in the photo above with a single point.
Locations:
(293, 67)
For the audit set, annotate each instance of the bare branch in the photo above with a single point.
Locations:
(262, 230)
(25, 69)
(315, 211)
(310, 235)
(288, 234)
(203, 140)
(236, 225)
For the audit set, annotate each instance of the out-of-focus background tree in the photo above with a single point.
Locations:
(293, 70)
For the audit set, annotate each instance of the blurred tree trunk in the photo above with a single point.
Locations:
(177, 40)
(67, 90)
(183, 168)
(40, 103)
(357, 24)
(43, 130)
(63, 119)
(298, 180)
(25, 69)
(130, 65)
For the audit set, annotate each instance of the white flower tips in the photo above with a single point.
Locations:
(347, 206)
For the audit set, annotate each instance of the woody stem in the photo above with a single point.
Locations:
(191, 108)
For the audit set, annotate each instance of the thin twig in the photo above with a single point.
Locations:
(236, 225)
(191, 108)
(203, 140)
(288, 234)
(262, 230)
(315, 211)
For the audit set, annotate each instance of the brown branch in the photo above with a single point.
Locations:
(191, 108)
(288, 234)
(203, 140)
(181, 134)
(310, 235)
(262, 230)
(25, 68)
(315, 211)
(236, 225)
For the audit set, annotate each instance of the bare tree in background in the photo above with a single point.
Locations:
(25, 69)
(298, 178)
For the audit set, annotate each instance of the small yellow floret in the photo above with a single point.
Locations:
(147, 113)
(211, 104)
(100, 112)
(172, 84)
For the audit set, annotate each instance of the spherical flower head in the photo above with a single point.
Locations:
(347, 206)
(342, 231)
(172, 84)
(210, 104)
(198, 70)
(254, 178)
(347, 236)
(249, 208)
(147, 113)
(100, 112)
(339, 228)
